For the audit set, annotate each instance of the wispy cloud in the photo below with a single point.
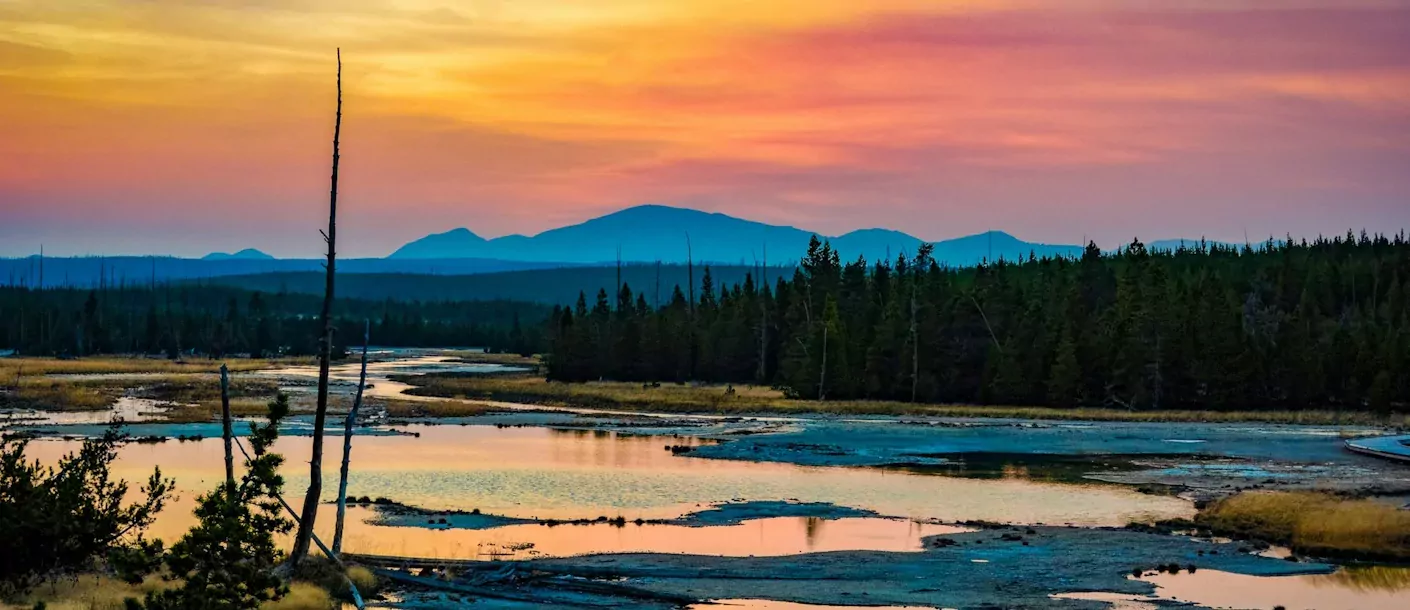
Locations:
(1054, 119)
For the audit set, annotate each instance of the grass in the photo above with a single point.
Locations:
(10, 368)
(1314, 523)
(30, 383)
(418, 408)
(85, 592)
(198, 396)
(365, 580)
(202, 388)
(101, 592)
(60, 395)
(210, 411)
(531, 362)
(302, 596)
(1371, 578)
(673, 398)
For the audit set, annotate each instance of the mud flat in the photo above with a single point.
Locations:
(1014, 567)
(728, 513)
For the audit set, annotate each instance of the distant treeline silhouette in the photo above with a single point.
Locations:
(547, 286)
(1292, 325)
(219, 320)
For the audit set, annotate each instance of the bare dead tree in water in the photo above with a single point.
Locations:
(226, 432)
(347, 442)
(325, 352)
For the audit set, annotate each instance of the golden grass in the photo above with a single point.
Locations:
(28, 366)
(1314, 523)
(85, 592)
(673, 398)
(505, 359)
(418, 408)
(365, 580)
(33, 383)
(100, 592)
(210, 411)
(1371, 578)
(60, 395)
(302, 596)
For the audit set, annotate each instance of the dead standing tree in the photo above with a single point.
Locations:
(226, 432)
(347, 442)
(325, 352)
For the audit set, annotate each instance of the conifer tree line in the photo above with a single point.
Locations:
(218, 321)
(1289, 325)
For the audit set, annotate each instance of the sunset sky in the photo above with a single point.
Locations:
(187, 126)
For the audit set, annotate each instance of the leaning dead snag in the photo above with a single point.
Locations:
(347, 442)
(325, 352)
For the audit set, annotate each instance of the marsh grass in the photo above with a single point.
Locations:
(1371, 578)
(60, 395)
(688, 398)
(302, 596)
(365, 580)
(77, 385)
(531, 362)
(85, 592)
(197, 389)
(99, 365)
(101, 592)
(210, 411)
(1314, 523)
(447, 408)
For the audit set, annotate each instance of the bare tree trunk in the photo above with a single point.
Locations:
(822, 371)
(986, 323)
(325, 352)
(352, 587)
(347, 442)
(226, 432)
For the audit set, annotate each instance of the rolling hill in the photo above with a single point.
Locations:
(651, 233)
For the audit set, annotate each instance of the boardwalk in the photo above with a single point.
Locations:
(1389, 447)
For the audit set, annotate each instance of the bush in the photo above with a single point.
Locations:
(62, 519)
(228, 559)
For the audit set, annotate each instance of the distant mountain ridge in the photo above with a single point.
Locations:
(659, 233)
(248, 254)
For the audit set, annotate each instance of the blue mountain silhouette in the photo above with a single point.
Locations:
(659, 233)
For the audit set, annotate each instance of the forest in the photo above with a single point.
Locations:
(1283, 324)
(217, 321)
(547, 286)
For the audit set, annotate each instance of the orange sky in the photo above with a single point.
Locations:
(186, 126)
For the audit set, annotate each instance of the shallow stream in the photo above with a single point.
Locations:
(543, 473)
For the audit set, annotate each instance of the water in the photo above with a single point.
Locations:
(1355, 588)
(764, 604)
(1352, 588)
(542, 473)
(126, 409)
(547, 474)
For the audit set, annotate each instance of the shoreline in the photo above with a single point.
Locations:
(716, 399)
